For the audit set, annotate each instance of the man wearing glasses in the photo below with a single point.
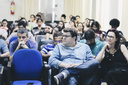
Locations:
(23, 42)
(47, 50)
(74, 61)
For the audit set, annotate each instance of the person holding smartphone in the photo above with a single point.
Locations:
(114, 60)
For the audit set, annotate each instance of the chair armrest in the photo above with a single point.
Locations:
(46, 65)
(54, 72)
(1, 69)
(1, 73)
(9, 65)
(45, 73)
(4, 60)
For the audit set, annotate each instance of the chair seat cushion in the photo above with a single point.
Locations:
(27, 82)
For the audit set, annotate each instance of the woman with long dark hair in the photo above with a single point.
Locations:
(113, 58)
(95, 26)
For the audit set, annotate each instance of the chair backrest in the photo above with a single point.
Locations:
(39, 37)
(12, 39)
(125, 43)
(28, 64)
(44, 42)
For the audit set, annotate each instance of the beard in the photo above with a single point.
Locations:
(92, 44)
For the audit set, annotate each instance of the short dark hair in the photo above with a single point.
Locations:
(80, 23)
(49, 25)
(96, 23)
(63, 24)
(38, 15)
(59, 28)
(74, 23)
(39, 19)
(87, 18)
(92, 20)
(89, 34)
(22, 30)
(73, 18)
(4, 20)
(72, 31)
(56, 35)
(25, 20)
(33, 16)
(63, 15)
(117, 43)
(114, 23)
(78, 16)
(22, 23)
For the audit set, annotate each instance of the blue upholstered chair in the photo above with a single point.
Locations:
(28, 68)
(13, 38)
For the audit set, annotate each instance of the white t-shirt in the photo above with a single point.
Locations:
(3, 32)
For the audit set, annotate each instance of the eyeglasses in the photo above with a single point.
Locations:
(58, 41)
(4, 23)
(110, 36)
(23, 37)
(47, 27)
(66, 35)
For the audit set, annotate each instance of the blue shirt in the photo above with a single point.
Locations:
(95, 48)
(31, 45)
(48, 47)
(78, 54)
(3, 46)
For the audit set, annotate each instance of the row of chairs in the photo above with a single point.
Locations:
(44, 78)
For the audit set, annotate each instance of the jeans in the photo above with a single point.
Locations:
(86, 71)
(82, 74)
(72, 80)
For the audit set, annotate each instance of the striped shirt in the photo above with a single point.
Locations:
(48, 47)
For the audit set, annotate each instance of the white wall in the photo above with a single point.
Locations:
(46, 7)
(59, 9)
(50, 6)
(5, 10)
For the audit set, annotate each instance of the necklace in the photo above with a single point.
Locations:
(112, 52)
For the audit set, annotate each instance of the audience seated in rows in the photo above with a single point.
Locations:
(36, 25)
(71, 56)
(21, 24)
